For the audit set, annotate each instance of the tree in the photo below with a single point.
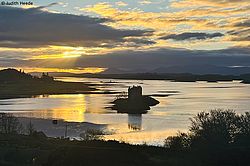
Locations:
(216, 127)
(243, 136)
(30, 129)
(9, 124)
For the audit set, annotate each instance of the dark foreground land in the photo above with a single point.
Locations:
(26, 150)
(15, 83)
(218, 138)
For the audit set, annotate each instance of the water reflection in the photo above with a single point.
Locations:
(135, 122)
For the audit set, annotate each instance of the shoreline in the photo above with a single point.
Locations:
(33, 89)
(58, 130)
(174, 77)
(5, 97)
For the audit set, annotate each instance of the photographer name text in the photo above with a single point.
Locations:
(15, 3)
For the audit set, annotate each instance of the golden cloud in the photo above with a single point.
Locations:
(213, 17)
(211, 3)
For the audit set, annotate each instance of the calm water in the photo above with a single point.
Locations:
(171, 115)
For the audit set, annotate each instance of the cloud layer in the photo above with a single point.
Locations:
(113, 34)
(192, 36)
(36, 27)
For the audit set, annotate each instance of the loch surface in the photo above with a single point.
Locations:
(179, 101)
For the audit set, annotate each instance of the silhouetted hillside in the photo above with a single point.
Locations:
(13, 75)
(15, 83)
(114, 71)
(193, 69)
(54, 74)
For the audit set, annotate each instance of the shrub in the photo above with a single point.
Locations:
(92, 134)
(217, 127)
(179, 142)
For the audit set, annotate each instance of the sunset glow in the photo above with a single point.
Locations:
(110, 29)
(76, 71)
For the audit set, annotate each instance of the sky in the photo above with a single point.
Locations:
(93, 35)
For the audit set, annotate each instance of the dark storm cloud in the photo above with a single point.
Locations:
(169, 57)
(191, 36)
(35, 27)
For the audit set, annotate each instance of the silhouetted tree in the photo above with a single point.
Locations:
(9, 124)
(243, 136)
(217, 128)
(30, 129)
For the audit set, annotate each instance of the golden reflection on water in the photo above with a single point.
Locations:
(71, 108)
(74, 116)
(67, 111)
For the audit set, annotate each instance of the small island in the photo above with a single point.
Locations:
(135, 103)
(16, 84)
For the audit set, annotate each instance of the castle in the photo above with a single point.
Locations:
(134, 93)
(135, 103)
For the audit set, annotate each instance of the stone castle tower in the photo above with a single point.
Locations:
(134, 93)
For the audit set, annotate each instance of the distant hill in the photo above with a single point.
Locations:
(203, 69)
(178, 77)
(54, 74)
(13, 75)
(121, 71)
(194, 69)
(68, 74)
